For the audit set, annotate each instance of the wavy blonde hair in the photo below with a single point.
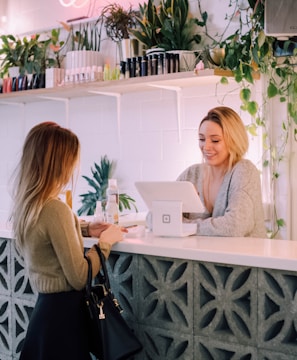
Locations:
(49, 157)
(234, 132)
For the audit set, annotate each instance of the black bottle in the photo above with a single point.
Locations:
(154, 67)
(144, 66)
(139, 59)
(14, 86)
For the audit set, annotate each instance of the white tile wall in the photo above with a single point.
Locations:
(149, 146)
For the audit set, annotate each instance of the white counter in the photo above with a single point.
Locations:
(263, 253)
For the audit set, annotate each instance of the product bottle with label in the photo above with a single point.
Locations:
(112, 189)
(112, 204)
(98, 215)
(112, 210)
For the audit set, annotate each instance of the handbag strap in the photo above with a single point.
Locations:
(105, 276)
(89, 279)
(104, 279)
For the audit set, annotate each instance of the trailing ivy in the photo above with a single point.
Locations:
(249, 54)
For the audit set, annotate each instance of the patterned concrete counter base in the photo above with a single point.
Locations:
(200, 307)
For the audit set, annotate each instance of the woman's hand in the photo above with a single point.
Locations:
(112, 234)
(96, 228)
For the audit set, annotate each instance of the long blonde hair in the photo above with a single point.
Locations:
(234, 132)
(49, 158)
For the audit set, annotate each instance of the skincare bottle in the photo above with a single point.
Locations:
(112, 210)
(112, 189)
(98, 215)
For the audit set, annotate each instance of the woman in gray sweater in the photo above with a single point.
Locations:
(228, 185)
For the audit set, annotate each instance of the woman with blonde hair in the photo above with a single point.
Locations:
(228, 185)
(48, 237)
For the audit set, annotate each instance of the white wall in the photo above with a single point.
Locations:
(148, 147)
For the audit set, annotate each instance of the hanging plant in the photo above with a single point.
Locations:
(249, 53)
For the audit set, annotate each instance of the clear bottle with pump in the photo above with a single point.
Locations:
(112, 210)
(98, 215)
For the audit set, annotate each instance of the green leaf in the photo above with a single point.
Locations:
(245, 94)
(252, 107)
(271, 90)
(224, 80)
(261, 38)
(280, 222)
(252, 129)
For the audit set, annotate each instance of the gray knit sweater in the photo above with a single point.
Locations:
(238, 210)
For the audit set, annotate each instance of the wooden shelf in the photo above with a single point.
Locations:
(115, 87)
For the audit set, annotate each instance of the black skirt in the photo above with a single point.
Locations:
(57, 328)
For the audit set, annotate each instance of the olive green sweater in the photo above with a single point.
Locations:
(53, 251)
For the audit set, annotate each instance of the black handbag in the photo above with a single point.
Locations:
(110, 337)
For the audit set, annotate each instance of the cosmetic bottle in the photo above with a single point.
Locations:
(98, 215)
(134, 67)
(112, 210)
(144, 65)
(14, 84)
(161, 64)
(139, 59)
(122, 70)
(177, 63)
(112, 189)
(154, 65)
(128, 69)
(172, 63)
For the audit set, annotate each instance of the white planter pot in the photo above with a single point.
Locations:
(14, 71)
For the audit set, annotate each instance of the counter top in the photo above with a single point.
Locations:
(263, 253)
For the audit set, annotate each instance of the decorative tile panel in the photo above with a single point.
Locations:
(21, 313)
(5, 278)
(272, 355)
(20, 281)
(124, 283)
(278, 311)
(225, 303)
(166, 293)
(161, 344)
(180, 309)
(5, 326)
(212, 349)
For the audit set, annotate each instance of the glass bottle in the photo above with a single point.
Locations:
(112, 210)
(98, 215)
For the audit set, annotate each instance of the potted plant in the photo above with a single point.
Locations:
(117, 22)
(83, 45)
(12, 53)
(170, 26)
(55, 55)
(99, 182)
